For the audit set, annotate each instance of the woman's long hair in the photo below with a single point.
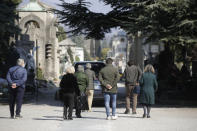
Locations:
(149, 68)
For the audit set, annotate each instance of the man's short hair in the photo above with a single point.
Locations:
(88, 65)
(20, 62)
(109, 61)
(80, 68)
(130, 62)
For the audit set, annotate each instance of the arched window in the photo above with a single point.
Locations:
(32, 24)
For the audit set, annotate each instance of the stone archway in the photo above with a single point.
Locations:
(33, 26)
(32, 17)
(34, 30)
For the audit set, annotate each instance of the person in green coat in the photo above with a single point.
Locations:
(148, 83)
(82, 81)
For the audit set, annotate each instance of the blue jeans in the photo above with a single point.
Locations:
(107, 97)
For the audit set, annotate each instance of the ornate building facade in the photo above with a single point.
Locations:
(39, 26)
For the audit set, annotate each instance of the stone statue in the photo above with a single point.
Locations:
(30, 66)
(30, 63)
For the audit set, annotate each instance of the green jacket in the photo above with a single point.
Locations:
(92, 77)
(82, 81)
(109, 75)
(148, 83)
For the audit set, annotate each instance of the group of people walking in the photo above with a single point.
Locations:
(77, 88)
(134, 78)
(80, 87)
(109, 77)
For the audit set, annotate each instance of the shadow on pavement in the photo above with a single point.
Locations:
(99, 111)
(41, 119)
(4, 117)
(93, 118)
(130, 117)
(59, 118)
(59, 110)
(52, 116)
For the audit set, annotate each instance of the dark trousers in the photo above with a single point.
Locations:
(16, 97)
(81, 103)
(78, 106)
(68, 105)
(146, 108)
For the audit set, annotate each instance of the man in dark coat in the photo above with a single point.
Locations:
(132, 75)
(109, 76)
(16, 78)
(82, 81)
(90, 88)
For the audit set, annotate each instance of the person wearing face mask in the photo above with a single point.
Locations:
(16, 77)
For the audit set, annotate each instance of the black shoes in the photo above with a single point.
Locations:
(127, 112)
(70, 118)
(67, 118)
(146, 116)
(79, 116)
(18, 116)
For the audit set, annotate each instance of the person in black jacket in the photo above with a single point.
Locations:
(69, 89)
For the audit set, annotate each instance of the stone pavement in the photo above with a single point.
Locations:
(46, 115)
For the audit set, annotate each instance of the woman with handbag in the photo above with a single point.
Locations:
(148, 83)
(82, 81)
(69, 89)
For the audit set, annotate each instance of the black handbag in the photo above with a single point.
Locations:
(136, 89)
(82, 102)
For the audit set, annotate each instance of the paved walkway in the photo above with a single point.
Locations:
(46, 115)
(49, 118)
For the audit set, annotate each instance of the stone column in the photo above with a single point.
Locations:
(56, 60)
(48, 66)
